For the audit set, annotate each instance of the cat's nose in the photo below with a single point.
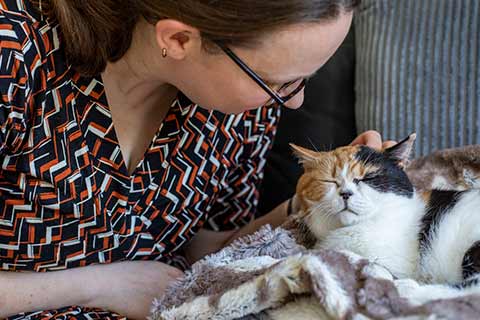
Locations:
(346, 194)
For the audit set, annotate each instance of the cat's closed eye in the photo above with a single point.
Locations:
(330, 181)
(367, 177)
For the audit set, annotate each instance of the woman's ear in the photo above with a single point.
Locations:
(176, 37)
(401, 151)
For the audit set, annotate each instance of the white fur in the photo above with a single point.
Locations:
(384, 228)
(418, 294)
(456, 233)
(441, 183)
(471, 179)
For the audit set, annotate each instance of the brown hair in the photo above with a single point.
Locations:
(97, 31)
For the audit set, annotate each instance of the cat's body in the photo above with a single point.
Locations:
(360, 200)
(450, 242)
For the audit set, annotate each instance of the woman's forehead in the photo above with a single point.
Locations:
(297, 51)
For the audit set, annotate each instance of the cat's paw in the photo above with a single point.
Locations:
(418, 294)
(406, 287)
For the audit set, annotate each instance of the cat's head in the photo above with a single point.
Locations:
(350, 184)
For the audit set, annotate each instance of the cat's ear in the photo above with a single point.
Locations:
(402, 150)
(304, 155)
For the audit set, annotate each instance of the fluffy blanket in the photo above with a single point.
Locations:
(272, 275)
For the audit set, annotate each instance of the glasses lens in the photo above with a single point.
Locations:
(289, 90)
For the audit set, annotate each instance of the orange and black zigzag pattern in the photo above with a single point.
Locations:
(66, 198)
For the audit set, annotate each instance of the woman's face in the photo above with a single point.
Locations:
(216, 82)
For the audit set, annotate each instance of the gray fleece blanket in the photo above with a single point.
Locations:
(272, 275)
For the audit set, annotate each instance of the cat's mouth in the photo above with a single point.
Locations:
(346, 208)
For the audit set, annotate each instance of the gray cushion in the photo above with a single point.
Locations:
(418, 69)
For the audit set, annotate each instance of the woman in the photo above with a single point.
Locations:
(129, 127)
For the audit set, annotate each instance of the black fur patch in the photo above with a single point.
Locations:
(470, 282)
(389, 178)
(471, 261)
(441, 201)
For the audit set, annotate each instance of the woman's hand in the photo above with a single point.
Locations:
(129, 288)
(372, 139)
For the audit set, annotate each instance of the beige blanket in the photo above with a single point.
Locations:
(269, 275)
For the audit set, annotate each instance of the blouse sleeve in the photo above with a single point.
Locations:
(237, 201)
(14, 87)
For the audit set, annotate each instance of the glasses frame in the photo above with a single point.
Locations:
(255, 77)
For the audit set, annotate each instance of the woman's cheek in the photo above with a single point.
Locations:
(296, 101)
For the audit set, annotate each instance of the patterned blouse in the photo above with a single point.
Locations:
(66, 198)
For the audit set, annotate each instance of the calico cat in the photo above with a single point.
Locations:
(358, 199)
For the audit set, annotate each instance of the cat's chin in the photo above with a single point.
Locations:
(348, 217)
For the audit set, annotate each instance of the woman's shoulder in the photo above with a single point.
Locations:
(19, 41)
(19, 19)
(25, 32)
(29, 42)
(31, 65)
(20, 10)
(18, 50)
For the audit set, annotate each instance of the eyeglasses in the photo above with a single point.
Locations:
(286, 91)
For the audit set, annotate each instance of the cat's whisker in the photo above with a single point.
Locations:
(325, 210)
(311, 142)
